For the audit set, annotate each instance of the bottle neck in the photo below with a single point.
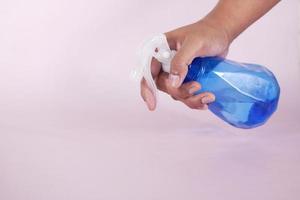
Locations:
(196, 70)
(200, 67)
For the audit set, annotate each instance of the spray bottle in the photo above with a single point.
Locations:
(246, 94)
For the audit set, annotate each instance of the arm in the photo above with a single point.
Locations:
(211, 36)
(234, 16)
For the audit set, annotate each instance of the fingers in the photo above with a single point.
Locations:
(146, 92)
(184, 91)
(147, 95)
(188, 89)
(155, 68)
(200, 101)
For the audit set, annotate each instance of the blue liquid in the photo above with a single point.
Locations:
(246, 94)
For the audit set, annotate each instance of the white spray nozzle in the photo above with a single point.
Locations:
(156, 47)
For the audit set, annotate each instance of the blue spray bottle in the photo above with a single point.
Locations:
(246, 94)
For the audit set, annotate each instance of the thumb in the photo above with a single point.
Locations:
(182, 59)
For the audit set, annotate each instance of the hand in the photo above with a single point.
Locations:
(209, 37)
(200, 39)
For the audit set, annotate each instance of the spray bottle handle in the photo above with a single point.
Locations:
(156, 47)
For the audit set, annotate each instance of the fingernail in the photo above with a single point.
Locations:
(174, 79)
(207, 99)
(193, 89)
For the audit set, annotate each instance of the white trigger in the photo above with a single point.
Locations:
(158, 48)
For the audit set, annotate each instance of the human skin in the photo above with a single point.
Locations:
(210, 36)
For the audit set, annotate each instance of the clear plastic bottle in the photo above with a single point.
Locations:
(246, 94)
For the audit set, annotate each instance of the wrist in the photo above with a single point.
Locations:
(234, 16)
(219, 27)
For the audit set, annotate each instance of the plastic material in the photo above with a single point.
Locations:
(246, 94)
(155, 47)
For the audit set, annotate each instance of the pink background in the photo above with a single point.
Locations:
(72, 125)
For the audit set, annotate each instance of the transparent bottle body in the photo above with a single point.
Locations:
(246, 94)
